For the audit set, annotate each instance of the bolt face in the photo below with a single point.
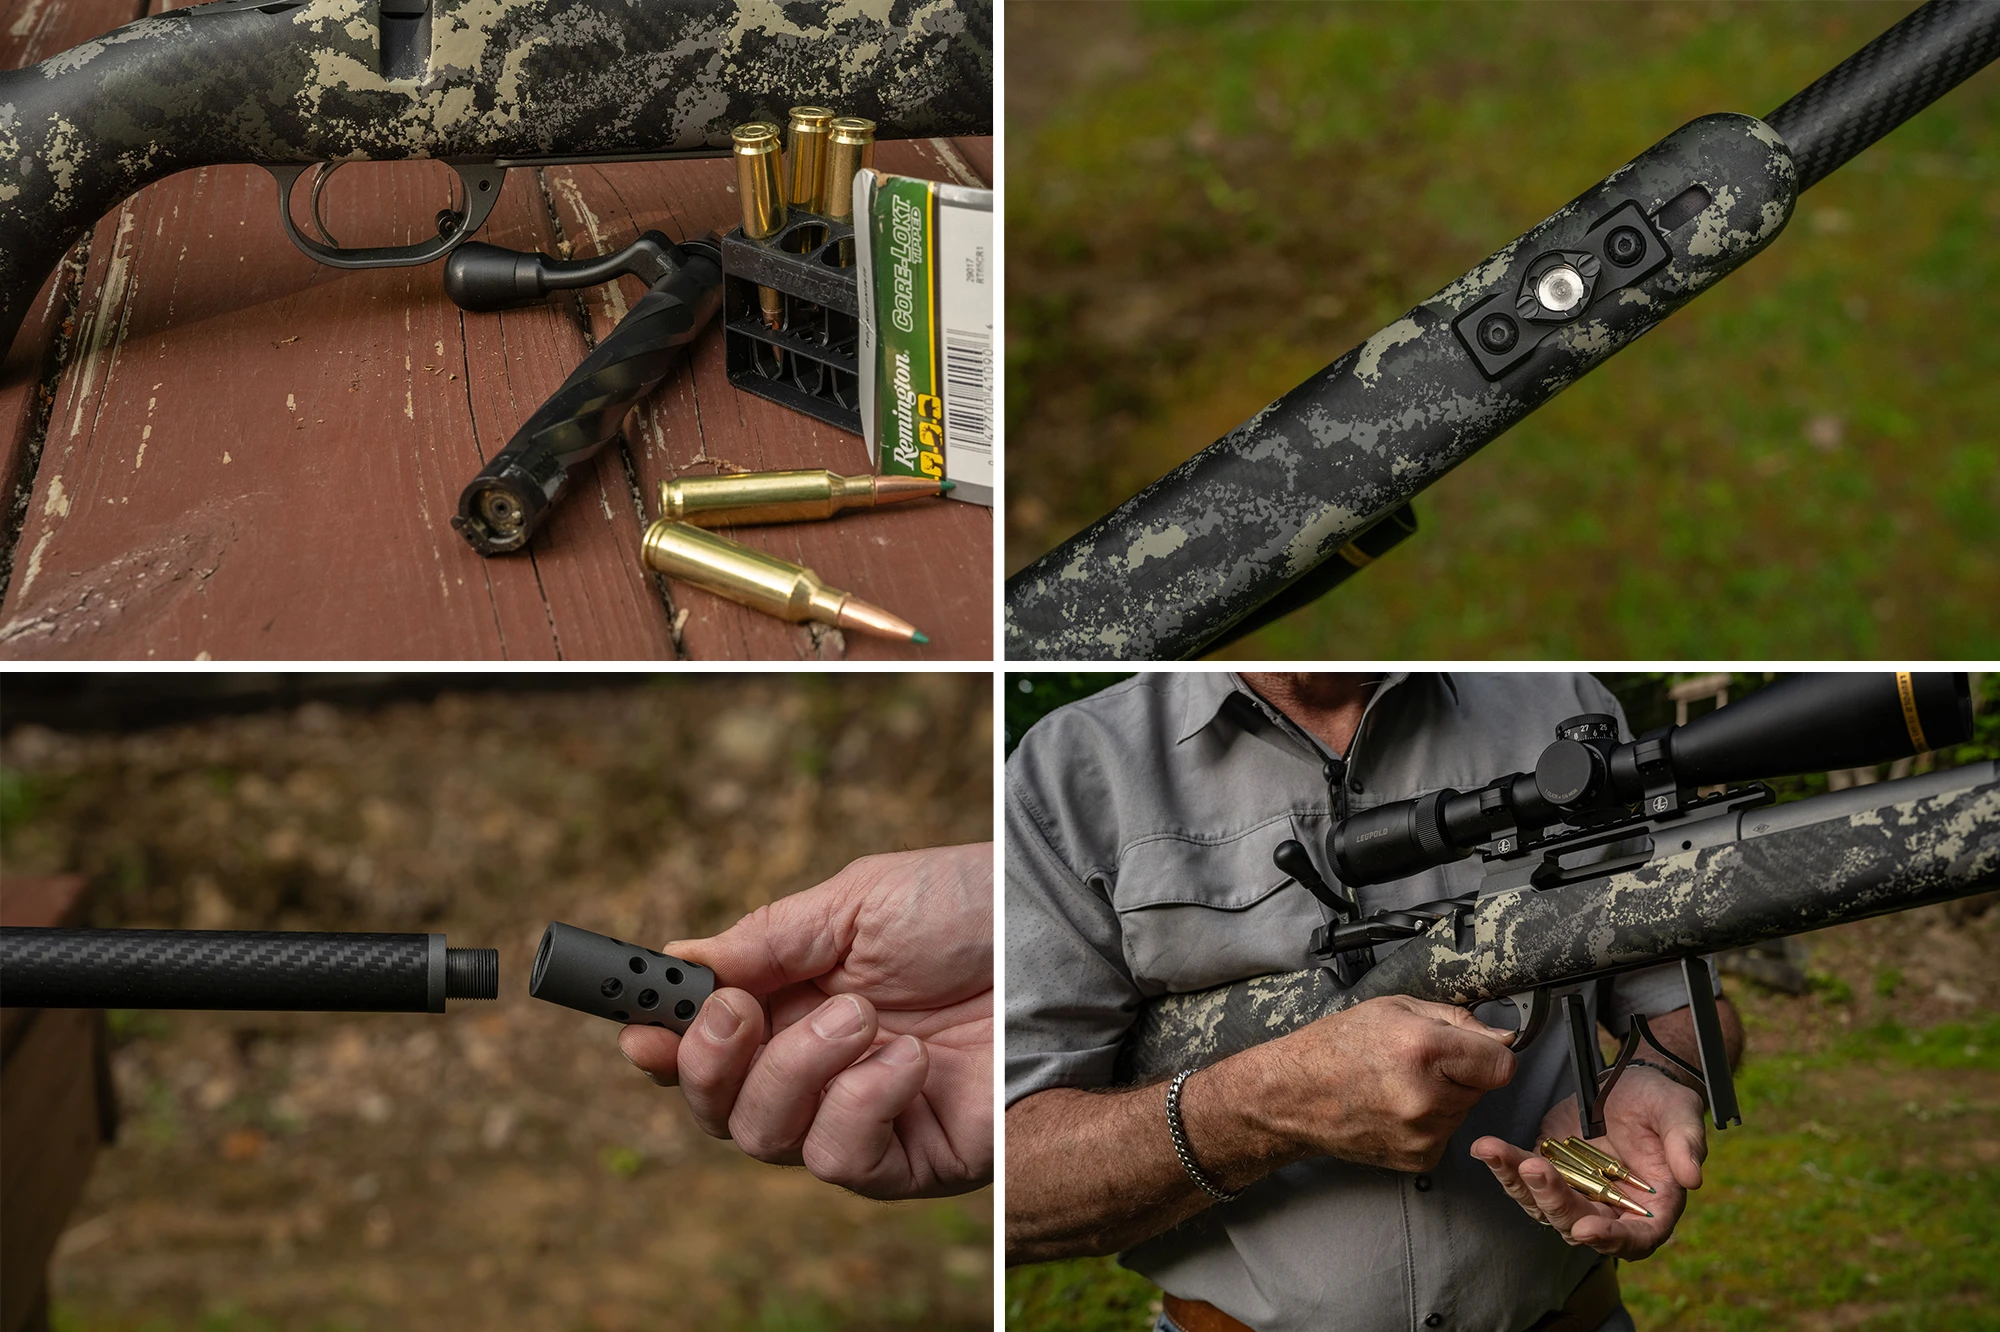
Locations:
(1560, 289)
(1497, 333)
(1625, 246)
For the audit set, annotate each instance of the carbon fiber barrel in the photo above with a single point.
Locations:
(241, 969)
(1932, 51)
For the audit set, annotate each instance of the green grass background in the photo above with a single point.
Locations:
(1849, 1188)
(1207, 202)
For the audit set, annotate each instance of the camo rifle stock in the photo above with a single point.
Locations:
(1756, 874)
(482, 85)
(1305, 491)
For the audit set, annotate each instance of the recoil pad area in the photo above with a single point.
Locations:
(609, 978)
(1171, 571)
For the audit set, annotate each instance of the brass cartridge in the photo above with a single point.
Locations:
(1604, 1163)
(1587, 1182)
(807, 156)
(759, 180)
(764, 582)
(742, 499)
(850, 148)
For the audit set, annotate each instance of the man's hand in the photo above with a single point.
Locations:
(1384, 1083)
(856, 1037)
(1654, 1126)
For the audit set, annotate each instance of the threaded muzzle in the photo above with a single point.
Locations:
(472, 973)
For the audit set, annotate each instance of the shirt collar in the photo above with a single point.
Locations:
(1203, 695)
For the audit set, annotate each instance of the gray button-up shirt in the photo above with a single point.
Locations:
(1140, 826)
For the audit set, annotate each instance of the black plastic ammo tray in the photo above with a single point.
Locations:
(810, 365)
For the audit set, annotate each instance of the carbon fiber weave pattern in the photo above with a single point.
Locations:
(215, 969)
(1932, 51)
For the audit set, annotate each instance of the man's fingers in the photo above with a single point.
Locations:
(1685, 1150)
(1463, 1019)
(715, 1056)
(1504, 1159)
(653, 1051)
(782, 1092)
(1476, 1061)
(852, 1142)
(1562, 1205)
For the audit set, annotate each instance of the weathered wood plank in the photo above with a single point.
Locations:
(930, 563)
(32, 32)
(307, 433)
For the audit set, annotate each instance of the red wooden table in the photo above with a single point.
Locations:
(228, 451)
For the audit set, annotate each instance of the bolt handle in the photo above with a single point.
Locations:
(1293, 859)
(609, 978)
(485, 277)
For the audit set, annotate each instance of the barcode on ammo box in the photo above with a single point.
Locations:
(968, 388)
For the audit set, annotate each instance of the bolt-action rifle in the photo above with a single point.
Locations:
(1318, 483)
(1608, 858)
(482, 85)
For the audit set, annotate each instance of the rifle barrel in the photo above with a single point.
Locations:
(296, 971)
(1933, 50)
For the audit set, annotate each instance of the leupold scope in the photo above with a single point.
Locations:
(1805, 723)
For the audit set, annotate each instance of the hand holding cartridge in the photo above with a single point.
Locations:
(853, 1033)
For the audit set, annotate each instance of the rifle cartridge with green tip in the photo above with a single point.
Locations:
(760, 186)
(1605, 1164)
(743, 499)
(806, 156)
(850, 150)
(1595, 1189)
(764, 582)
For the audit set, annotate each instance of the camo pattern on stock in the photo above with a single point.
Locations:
(1170, 570)
(1783, 870)
(472, 81)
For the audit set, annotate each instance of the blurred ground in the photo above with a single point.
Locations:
(1208, 202)
(500, 1166)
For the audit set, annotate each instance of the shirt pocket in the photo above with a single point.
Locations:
(1196, 912)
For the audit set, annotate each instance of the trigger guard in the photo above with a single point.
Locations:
(482, 184)
(1533, 1008)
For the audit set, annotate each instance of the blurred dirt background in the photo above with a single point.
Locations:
(1207, 202)
(502, 1165)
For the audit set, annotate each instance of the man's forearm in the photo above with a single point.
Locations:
(1091, 1173)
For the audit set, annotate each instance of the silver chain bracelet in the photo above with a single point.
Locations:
(1181, 1148)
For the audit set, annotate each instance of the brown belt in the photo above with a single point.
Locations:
(1594, 1300)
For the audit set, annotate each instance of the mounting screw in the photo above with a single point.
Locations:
(1625, 246)
(1560, 289)
(1498, 334)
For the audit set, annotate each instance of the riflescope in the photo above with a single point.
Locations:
(278, 971)
(1805, 723)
